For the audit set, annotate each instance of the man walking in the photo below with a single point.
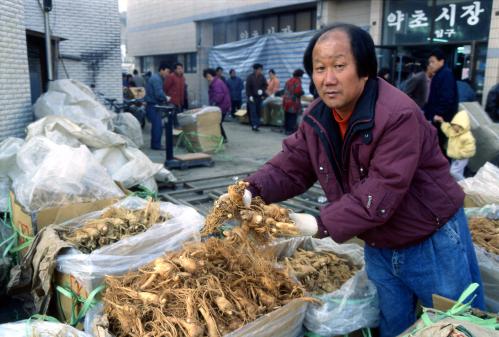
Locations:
(154, 96)
(174, 87)
(235, 85)
(256, 84)
(443, 99)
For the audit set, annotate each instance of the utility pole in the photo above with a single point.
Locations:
(47, 7)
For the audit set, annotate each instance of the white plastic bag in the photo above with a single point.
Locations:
(354, 306)
(165, 176)
(62, 130)
(483, 188)
(56, 175)
(128, 165)
(38, 328)
(130, 253)
(8, 151)
(74, 100)
(127, 125)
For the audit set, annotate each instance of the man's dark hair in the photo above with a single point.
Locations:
(135, 72)
(178, 64)
(298, 73)
(257, 66)
(438, 53)
(361, 43)
(219, 68)
(232, 71)
(163, 66)
(271, 71)
(210, 71)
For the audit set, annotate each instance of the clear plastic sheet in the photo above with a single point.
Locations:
(128, 165)
(483, 188)
(132, 252)
(165, 176)
(62, 130)
(56, 175)
(74, 100)
(127, 125)
(39, 329)
(353, 306)
(8, 151)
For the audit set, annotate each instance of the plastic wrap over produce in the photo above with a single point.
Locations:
(354, 306)
(74, 100)
(128, 126)
(483, 188)
(62, 130)
(35, 328)
(56, 175)
(132, 252)
(128, 165)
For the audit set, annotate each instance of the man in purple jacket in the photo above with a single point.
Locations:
(218, 95)
(385, 178)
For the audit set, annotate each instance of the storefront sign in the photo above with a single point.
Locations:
(410, 22)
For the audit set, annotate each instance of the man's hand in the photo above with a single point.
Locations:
(305, 223)
(438, 119)
(251, 99)
(259, 92)
(246, 198)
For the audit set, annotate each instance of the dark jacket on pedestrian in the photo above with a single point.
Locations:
(417, 88)
(443, 99)
(236, 86)
(492, 103)
(255, 83)
(291, 100)
(387, 183)
(154, 90)
(465, 92)
(174, 87)
(218, 94)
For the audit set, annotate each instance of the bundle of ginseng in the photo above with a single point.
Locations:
(485, 233)
(113, 225)
(261, 221)
(205, 289)
(320, 272)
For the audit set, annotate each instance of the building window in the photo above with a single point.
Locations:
(231, 32)
(256, 27)
(270, 25)
(219, 33)
(287, 23)
(190, 65)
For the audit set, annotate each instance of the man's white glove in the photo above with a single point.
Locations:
(259, 92)
(246, 198)
(251, 99)
(305, 223)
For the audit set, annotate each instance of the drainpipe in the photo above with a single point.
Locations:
(47, 7)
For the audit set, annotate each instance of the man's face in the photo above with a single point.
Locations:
(164, 72)
(335, 72)
(435, 64)
(258, 71)
(179, 70)
(233, 74)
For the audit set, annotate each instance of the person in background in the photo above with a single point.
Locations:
(139, 80)
(461, 146)
(465, 92)
(255, 91)
(387, 183)
(154, 96)
(492, 103)
(174, 87)
(124, 80)
(219, 95)
(443, 100)
(235, 85)
(291, 101)
(385, 74)
(272, 84)
(130, 81)
(220, 74)
(417, 85)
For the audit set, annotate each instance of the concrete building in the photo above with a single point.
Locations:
(85, 47)
(404, 31)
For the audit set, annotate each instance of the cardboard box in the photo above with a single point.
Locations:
(138, 92)
(203, 134)
(30, 223)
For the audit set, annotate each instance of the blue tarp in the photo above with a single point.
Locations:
(282, 52)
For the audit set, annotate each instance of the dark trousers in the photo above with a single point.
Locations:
(175, 118)
(290, 122)
(236, 105)
(255, 111)
(224, 135)
(154, 117)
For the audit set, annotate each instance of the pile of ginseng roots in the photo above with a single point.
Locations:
(320, 272)
(259, 221)
(114, 224)
(485, 233)
(209, 288)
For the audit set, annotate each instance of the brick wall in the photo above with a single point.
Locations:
(92, 29)
(15, 101)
